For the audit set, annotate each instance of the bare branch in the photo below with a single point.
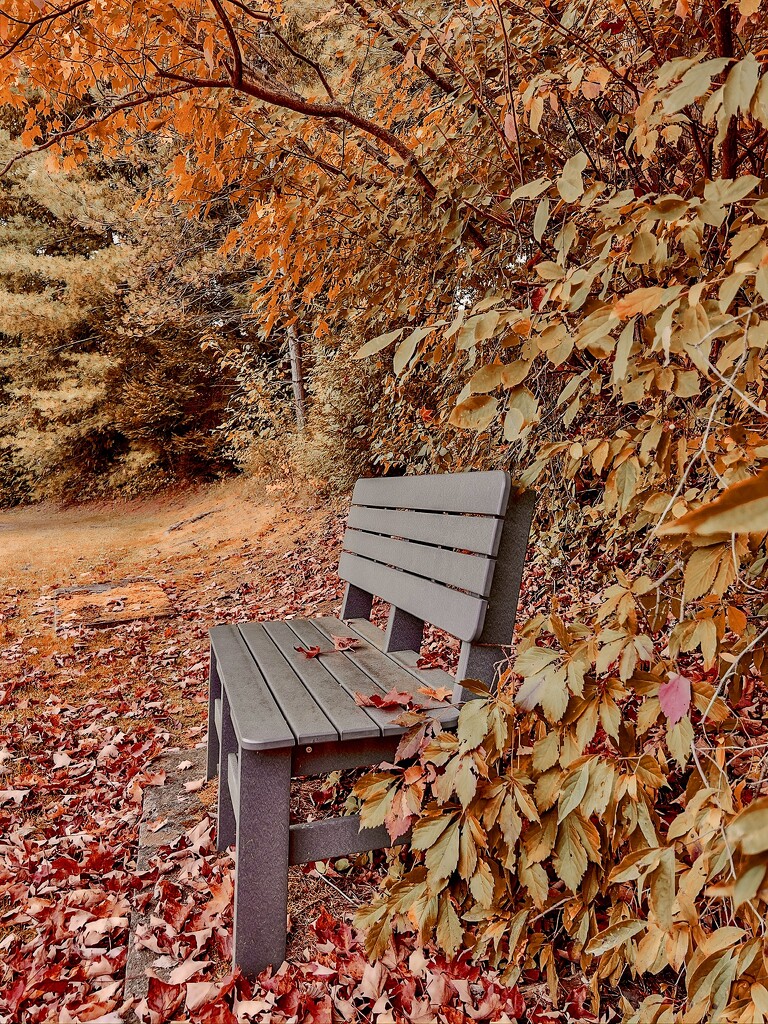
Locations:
(237, 57)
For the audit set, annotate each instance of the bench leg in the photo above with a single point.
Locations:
(261, 878)
(404, 632)
(214, 694)
(226, 828)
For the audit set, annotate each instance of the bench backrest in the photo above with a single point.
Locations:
(448, 549)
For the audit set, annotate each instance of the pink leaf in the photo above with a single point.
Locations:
(675, 697)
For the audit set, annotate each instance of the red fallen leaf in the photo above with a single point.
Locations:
(575, 1004)
(436, 692)
(163, 999)
(675, 697)
(309, 652)
(537, 297)
(432, 659)
(345, 643)
(394, 698)
(214, 1013)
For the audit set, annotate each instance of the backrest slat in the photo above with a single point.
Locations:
(428, 544)
(480, 534)
(479, 493)
(467, 572)
(458, 613)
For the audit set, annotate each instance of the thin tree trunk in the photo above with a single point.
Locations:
(297, 379)
(725, 48)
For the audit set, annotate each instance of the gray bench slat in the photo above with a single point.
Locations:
(317, 674)
(405, 659)
(457, 613)
(347, 675)
(469, 572)
(217, 715)
(480, 534)
(387, 673)
(335, 837)
(485, 493)
(307, 720)
(259, 723)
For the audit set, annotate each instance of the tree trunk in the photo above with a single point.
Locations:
(725, 48)
(297, 379)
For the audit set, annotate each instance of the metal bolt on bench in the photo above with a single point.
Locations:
(448, 549)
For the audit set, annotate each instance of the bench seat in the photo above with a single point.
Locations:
(279, 698)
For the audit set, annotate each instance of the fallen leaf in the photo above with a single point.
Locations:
(394, 698)
(436, 692)
(309, 652)
(345, 643)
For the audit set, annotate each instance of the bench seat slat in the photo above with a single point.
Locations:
(484, 493)
(405, 659)
(384, 670)
(347, 678)
(347, 675)
(258, 721)
(469, 572)
(317, 674)
(307, 720)
(457, 613)
(480, 534)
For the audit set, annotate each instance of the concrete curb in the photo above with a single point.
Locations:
(179, 811)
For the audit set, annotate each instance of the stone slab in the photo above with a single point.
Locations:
(110, 604)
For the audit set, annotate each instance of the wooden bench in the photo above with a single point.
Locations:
(448, 549)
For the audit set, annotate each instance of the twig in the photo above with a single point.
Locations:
(355, 903)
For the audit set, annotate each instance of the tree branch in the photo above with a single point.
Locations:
(236, 73)
(42, 20)
(302, 57)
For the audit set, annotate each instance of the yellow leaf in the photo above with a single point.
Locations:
(570, 859)
(741, 508)
(747, 884)
(614, 936)
(541, 219)
(569, 184)
(476, 413)
(486, 379)
(749, 829)
(530, 190)
(700, 572)
(740, 85)
(377, 344)
(643, 247)
(407, 349)
(443, 857)
(662, 888)
(450, 934)
(679, 740)
(641, 301)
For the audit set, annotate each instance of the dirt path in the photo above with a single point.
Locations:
(47, 546)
